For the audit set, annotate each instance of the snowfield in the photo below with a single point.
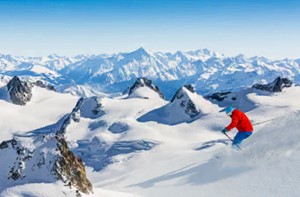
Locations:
(45, 108)
(125, 156)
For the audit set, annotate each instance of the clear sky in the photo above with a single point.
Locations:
(69, 27)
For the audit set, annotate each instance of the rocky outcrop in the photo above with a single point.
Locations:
(91, 107)
(48, 159)
(219, 96)
(180, 92)
(42, 84)
(185, 106)
(276, 86)
(85, 107)
(70, 169)
(20, 92)
(185, 101)
(144, 82)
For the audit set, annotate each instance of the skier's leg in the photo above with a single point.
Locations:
(240, 136)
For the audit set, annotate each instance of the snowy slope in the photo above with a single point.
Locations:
(45, 108)
(57, 190)
(186, 106)
(148, 158)
(184, 163)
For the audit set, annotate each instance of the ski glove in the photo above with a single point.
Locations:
(224, 130)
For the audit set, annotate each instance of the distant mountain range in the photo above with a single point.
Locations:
(207, 71)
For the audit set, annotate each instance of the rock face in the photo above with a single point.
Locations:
(41, 84)
(185, 106)
(180, 93)
(70, 169)
(219, 96)
(45, 156)
(89, 107)
(144, 82)
(276, 86)
(20, 92)
(185, 101)
(47, 159)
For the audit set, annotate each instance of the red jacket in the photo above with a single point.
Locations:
(240, 121)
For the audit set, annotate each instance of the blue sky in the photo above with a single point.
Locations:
(69, 27)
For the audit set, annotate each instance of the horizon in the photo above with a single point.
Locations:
(69, 28)
(151, 51)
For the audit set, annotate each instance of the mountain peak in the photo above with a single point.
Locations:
(180, 93)
(276, 86)
(19, 91)
(140, 51)
(144, 82)
(53, 56)
(185, 101)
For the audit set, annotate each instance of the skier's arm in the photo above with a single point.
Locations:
(233, 123)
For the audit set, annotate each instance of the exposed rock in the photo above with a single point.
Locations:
(185, 101)
(44, 85)
(70, 169)
(142, 82)
(48, 159)
(219, 96)
(85, 107)
(185, 106)
(179, 94)
(276, 86)
(74, 115)
(91, 107)
(20, 92)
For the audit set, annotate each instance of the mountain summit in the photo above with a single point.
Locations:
(186, 106)
(20, 92)
(276, 86)
(144, 88)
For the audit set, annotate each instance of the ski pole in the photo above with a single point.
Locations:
(232, 141)
(262, 122)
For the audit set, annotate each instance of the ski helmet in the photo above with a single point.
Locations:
(228, 110)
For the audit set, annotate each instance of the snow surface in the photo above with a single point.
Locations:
(145, 93)
(57, 190)
(186, 159)
(45, 108)
(175, 112)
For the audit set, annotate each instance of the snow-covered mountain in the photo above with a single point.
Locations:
(208, 71)
(144, 88)
(185, 106)
(139, 144)
(64, 143)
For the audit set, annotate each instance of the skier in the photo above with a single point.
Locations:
(242, 124)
